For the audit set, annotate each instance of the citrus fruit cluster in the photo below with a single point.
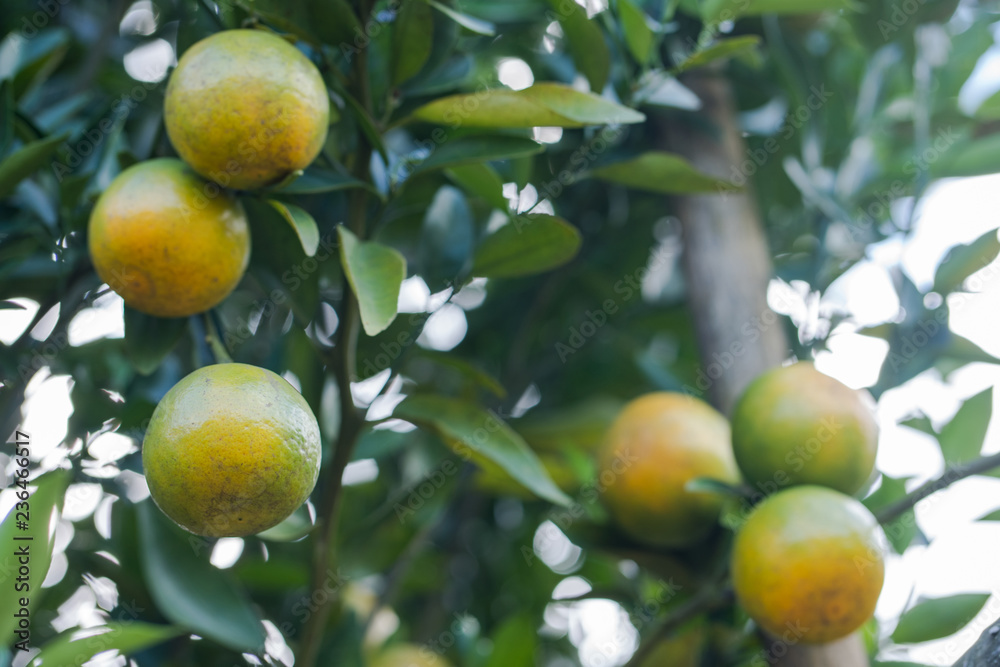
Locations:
(243, 109)
(231, 449)
(808, 556)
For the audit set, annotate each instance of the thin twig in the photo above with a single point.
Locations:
(950, 476)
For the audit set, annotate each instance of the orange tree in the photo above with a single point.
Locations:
(493, 250)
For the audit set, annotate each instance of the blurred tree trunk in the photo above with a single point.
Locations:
(727, 266)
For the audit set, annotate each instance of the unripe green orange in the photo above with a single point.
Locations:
(658, 444)
(795, 425)
(231, 450)
(245, 108)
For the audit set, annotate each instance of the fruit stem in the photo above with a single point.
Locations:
(214, 340)
(951, 475)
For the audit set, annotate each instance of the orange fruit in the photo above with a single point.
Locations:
(658, 444)
(808, 562)
(170, 243)
(409, 655)
(245, 108)
(795, 425)
(231, 450)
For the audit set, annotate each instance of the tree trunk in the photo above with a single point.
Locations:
(727, 266)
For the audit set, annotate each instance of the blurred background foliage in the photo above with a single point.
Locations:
(850, 111)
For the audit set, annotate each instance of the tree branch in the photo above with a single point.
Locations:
(707, 599)
(950, 476)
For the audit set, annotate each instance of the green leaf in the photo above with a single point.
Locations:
(990, 516)
(148, 339)
(901, 531)
(467, 369)
(26, 161)
(964, 260)
(334, 21)
(375, 273)
(412, 39)
(514, 642)
(586, 43)
(481, 180)
(303, 224)
(43, 509)
(11, 305)
(660, 89)
(7, 109)
(962, 438)
(635, 25)
(525, 246)
(446, 237)
(725, 48)
(316, 180)
(972, 157)
(714, 12)
(661, 172)
(937, 618)
(920, 423)
(990, 108)
(191, 592)
(76, 647)
(472, 431)
(713, 486)
(293, 528)
(478, 149)
(470, 23)
(543, 104)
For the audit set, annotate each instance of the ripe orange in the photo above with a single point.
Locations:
(795, 425)
(231, 450)
(659, 443)
(808, 562)
(168, 242)
(409, 655)
(245, 108)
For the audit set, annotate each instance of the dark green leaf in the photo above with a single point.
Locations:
(44, 503)
(525, 246)
(446, 239)
(412, 40)
(468, 369)
(543, 104)
(661, 172)
(722, 49)
(26, 161)
(76, 647)
(375, 273)
(10, 305)
(472, 431)
(36, 58)
(635, 25)
(468, 22)
(481, 180)
(586, 43)
(514, 642)
(148, 339)
(303, 224)
(7, 108)
(716, 11)
(965, 259)
(316, 180)
(189, 590)
(477, 149)
(962, 438)
(335, 22)
(937, 618)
